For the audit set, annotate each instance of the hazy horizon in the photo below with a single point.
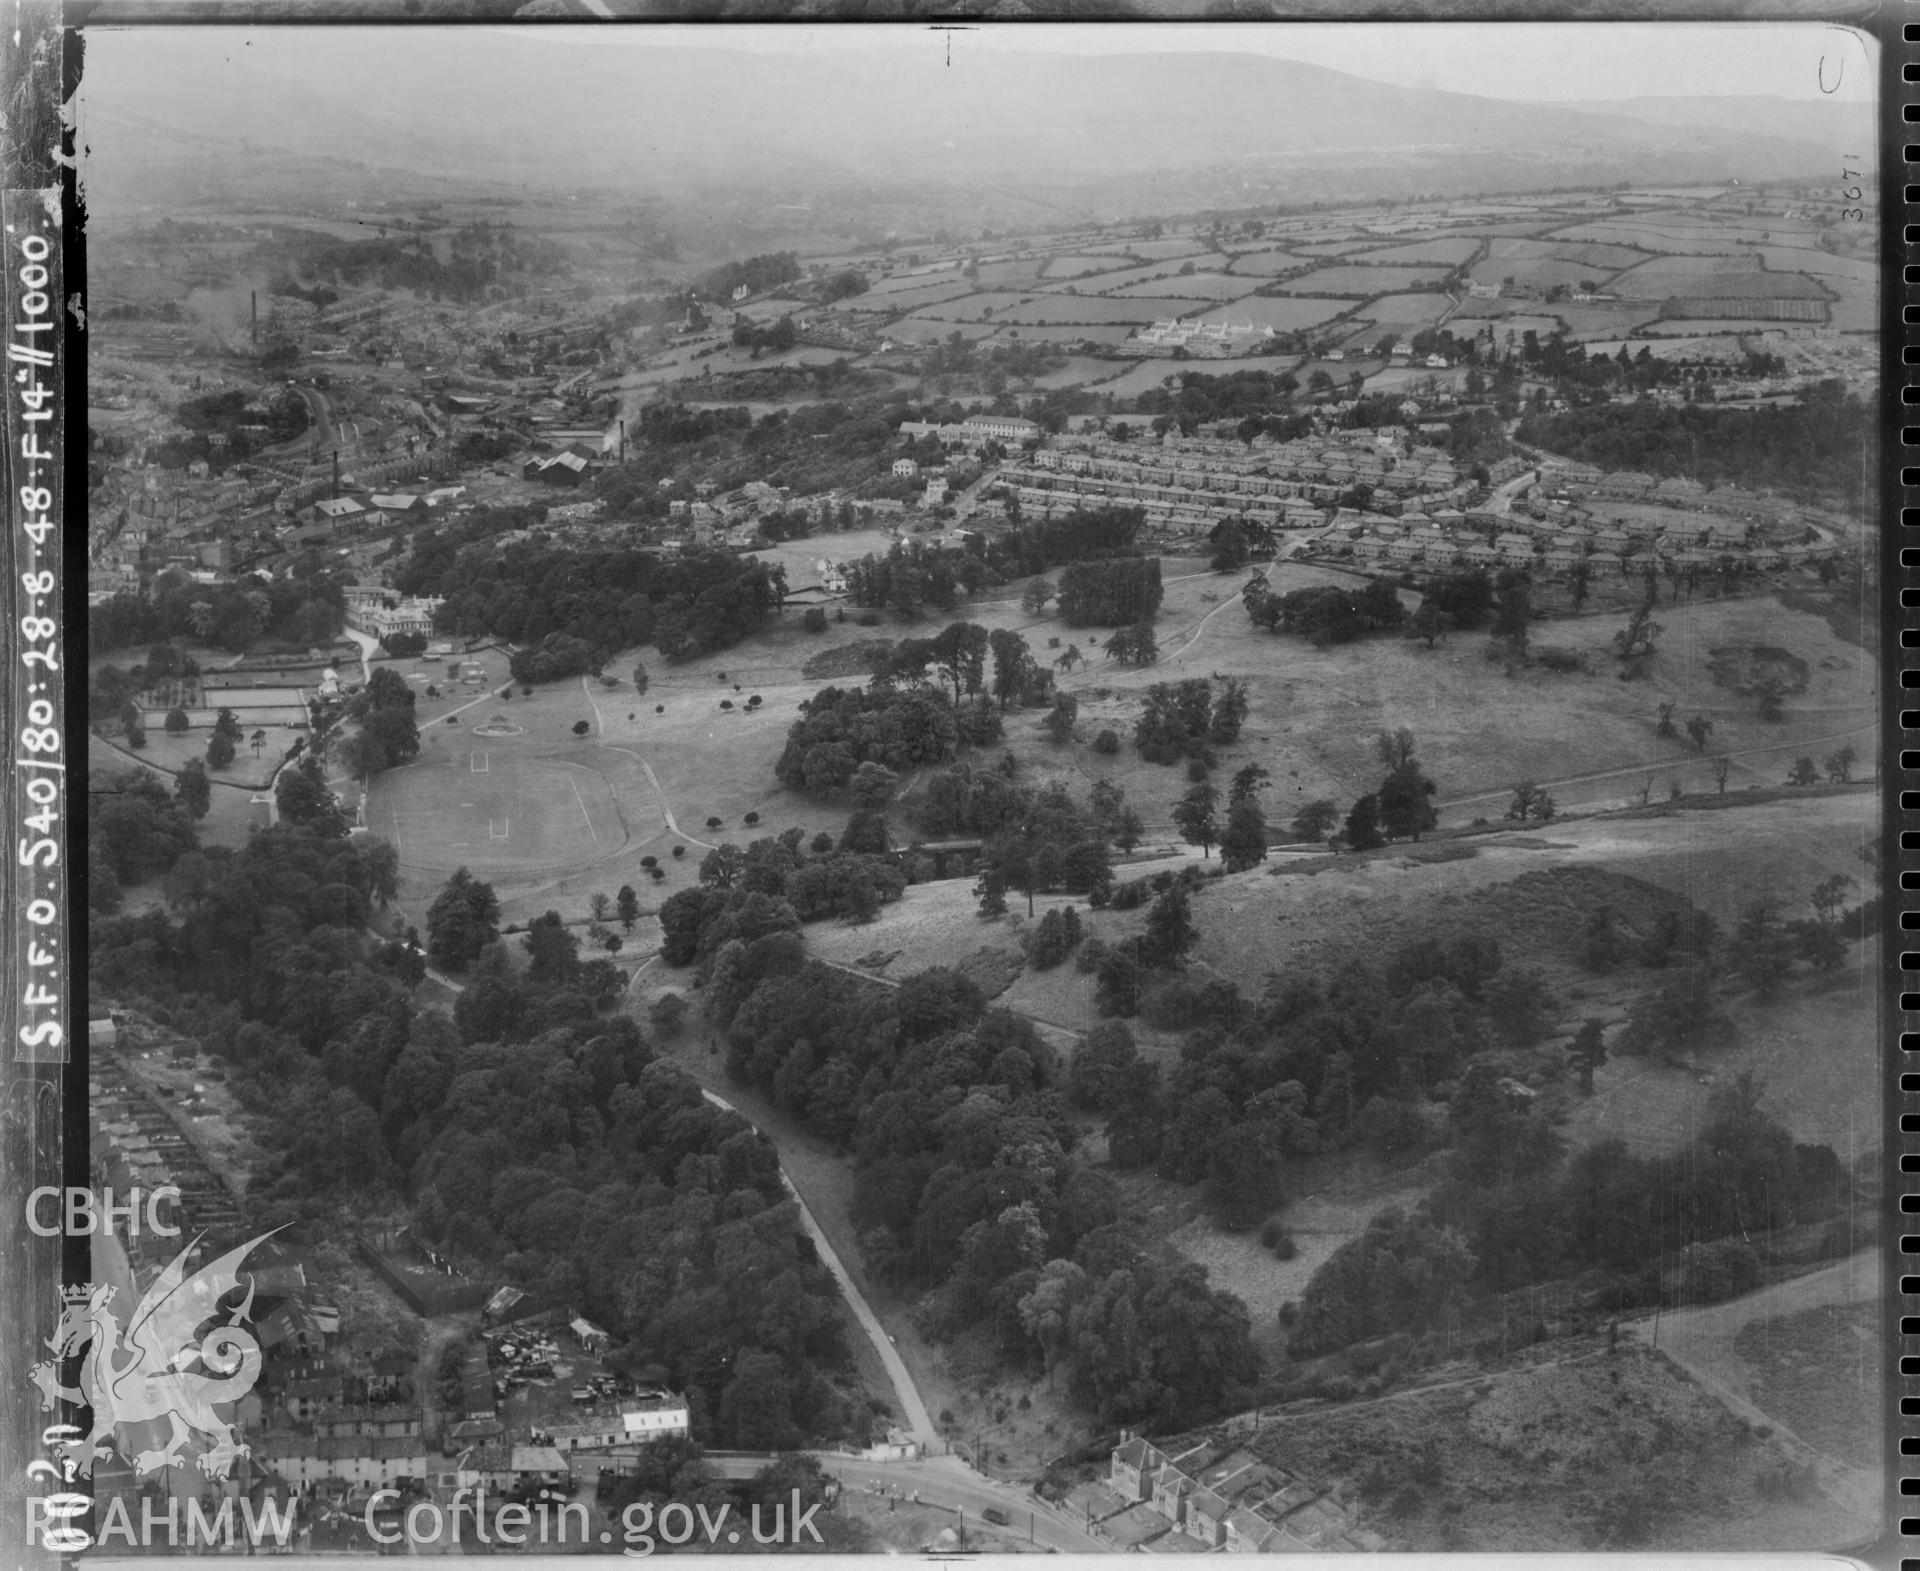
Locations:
(1559, 63)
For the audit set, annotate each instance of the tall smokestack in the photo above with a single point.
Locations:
(254, 305)
(623, 441)
(336, 475)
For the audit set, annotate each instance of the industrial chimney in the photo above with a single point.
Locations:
(336, 476)
(254, 299)
(623, 441)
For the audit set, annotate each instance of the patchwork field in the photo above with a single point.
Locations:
(906, 299)
(972, 308)
(1065, 310)
(1267, 264)
(1447, 250)
(1650, 237)
(1002, 275)
(1361, 281)
(1534, 272)
(1107, 283)
(1079, 266)
(1403, 311)
(1283, 316)
(1607, 320)
(1155, 250)
(1819, 264)
(1344, 247)
(1209, 286)
(922, 328)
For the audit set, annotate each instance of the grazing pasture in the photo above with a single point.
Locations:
(1361, 281)
(1010, 274)
(1330, 247)
(1142, 378)
(923, 329)
(1446, 250)
(1857, 306)
(1080, 266)
(906, 283)
(973, 308)
(1213, 286)
(1268, 264)
(1515, 226)
(1542, 272)
(1668, 275)
(1647, 237)
(1418, 310)
(1069, 309)
(1606, 319)
(1157, 250)
(907, 299)
(1819, 264)
(1611, 258)
(1110, 283)
(1284, 316)
(1079, 371)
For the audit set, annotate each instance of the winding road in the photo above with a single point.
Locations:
(910, 1404)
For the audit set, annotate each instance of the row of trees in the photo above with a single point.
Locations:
(1325, 614)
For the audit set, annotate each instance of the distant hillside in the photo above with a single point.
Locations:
(1842, 128)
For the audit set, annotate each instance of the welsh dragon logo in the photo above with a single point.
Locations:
(159, 1367)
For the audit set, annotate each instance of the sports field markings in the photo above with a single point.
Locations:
(477, 762)
(585, 818)
(501, 833)
(399, 846)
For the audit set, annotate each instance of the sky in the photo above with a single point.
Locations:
(1530, 62)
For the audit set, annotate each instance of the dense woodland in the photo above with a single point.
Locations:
(969, 1189)
(1823, 446)
(529, 1132)
(303, 607)
(686, 604)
